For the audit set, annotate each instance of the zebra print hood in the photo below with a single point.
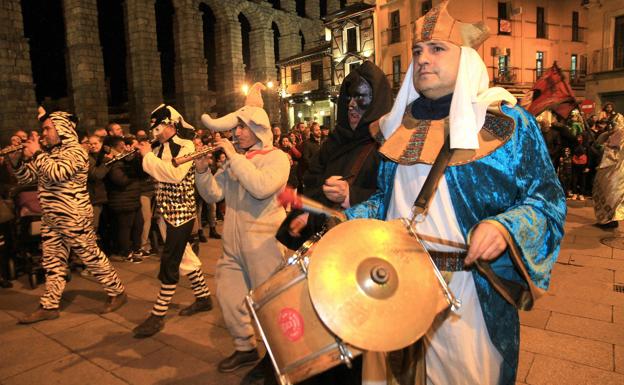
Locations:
(65, 124)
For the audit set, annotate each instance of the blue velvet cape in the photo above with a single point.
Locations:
(517, 186)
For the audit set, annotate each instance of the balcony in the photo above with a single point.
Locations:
(394, 35)
(605, 60)
(309, 86)
(506, 75)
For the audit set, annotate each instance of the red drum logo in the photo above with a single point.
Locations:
(291, 323)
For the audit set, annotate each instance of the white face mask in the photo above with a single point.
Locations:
(156, 131)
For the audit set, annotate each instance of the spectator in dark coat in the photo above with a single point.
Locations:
(553, 142)
(309, 149)
(97, 172)
(124, 191)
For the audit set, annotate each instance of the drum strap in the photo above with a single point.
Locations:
(407, 365)
(431, 183)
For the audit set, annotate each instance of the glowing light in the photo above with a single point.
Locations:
(322, 113)
(299, 114)
(309, 102)
(245, 89)
(270, 84)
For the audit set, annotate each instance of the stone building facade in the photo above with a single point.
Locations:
(526, 37)
(605, 78)
(87, 88)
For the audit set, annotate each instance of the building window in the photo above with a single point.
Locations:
(573, 66)
(504, 74)
(504, 24)
(425, 6)
(395, 27)
(295, 75)
(539, 64)
(351, 36)
(575, 26)
(396, 71)
(541, 24)
(618, 43)
(317, 70)
(353, 64)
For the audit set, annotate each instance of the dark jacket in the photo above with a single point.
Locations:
(124, 185)
(343, 146)
(95, 180)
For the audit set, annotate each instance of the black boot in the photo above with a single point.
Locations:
(200, 304)
(213, 233)
(608, 225)
(200, 235)
(38, 315)
(237, 360)
(152, 325)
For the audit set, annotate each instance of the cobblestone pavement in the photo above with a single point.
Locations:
(575, 334)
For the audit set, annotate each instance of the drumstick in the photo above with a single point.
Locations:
(289, 196)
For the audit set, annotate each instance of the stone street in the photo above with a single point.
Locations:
(574, 335)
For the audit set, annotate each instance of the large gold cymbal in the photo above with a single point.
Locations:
(373, 285)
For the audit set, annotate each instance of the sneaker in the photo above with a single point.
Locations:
(200, 304)
(147, 253)
(38, 315)
(581, 197)
(114, 302)
(237, 360)
(134, 257)
(152, 325)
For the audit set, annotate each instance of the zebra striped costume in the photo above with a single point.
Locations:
(67, 221)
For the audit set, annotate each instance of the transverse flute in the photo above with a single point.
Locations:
(197, 154)
(124, 155)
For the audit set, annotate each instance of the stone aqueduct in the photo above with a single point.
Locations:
(86, 85)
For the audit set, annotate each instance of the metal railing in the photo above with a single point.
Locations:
(606, 59)
(506, 75)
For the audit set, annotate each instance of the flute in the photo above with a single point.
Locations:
(124, 155)
(18, 147)
(11, 149)
(197, 154)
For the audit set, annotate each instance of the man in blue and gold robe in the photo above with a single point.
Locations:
(499, 203)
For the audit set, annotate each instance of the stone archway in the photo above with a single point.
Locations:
(164, 12)
(45, 30)
(113, 40)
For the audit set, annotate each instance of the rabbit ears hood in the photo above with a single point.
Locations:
(252, 114)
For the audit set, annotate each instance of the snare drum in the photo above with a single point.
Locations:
(298, 343)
